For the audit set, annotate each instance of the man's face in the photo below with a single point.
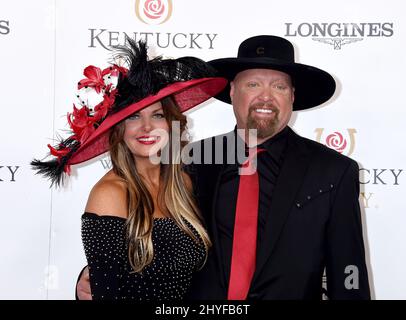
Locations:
(262, 99)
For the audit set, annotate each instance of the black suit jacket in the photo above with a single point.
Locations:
(315, 224)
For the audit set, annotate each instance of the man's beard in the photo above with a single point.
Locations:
(265, 128)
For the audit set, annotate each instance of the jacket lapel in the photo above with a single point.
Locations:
(215, 240)
(214, 172)
(297, 159)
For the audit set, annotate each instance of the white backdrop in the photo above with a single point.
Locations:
(45, 45)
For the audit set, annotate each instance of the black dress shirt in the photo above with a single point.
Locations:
(268, 166)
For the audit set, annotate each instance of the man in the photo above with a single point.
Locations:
(276, 230)
(308, 215)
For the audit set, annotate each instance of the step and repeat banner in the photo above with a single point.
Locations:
(46, 44)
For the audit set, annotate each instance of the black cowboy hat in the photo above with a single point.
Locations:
(312, 85)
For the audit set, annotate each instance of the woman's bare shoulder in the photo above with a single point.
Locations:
(108, 197)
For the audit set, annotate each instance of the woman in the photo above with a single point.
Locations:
(141, 229)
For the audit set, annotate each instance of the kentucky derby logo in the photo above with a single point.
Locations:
(337, 141)
(153, 11)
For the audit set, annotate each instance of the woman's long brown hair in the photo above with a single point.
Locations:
(175, 198)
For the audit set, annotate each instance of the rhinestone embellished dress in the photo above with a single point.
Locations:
(176, 257)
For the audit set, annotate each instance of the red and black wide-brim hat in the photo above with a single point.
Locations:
(188, 80)
(313, 86)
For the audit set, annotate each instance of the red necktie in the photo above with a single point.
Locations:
(245, 230)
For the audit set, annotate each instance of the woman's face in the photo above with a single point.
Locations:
(146, 131)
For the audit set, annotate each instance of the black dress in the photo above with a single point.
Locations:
(176, 257)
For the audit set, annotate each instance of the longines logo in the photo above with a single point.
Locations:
(153, 11)
(106, 39)
(4, 27)
(338, 141)
(8, 173)
(339, 34)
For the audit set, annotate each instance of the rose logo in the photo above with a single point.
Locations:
(153, 11)
(336, 141)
